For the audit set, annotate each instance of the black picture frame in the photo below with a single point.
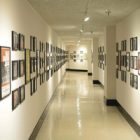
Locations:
(15, 70)
(21, 68)
(5, 72)
(135, 46)
(22, 93)
(31, 87)
(15, 41)
(131, 44)
(135, 59)
(27, 66)
(128, 61)
(117, 47)
(117, 73)
(15, 98)
(131, 80)
(38, 62)
(31, 43)
(138, 63)
(34, 43)
(119, 55)
(21, 42)
(131, 62)
(135, 85)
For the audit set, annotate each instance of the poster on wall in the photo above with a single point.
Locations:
(4, 72)
(27, 66)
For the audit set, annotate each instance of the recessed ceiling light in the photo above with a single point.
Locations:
(87, 18)
(81, 30)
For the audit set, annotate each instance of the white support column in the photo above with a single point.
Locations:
(110, 72)
(95, 60)
(89, 57)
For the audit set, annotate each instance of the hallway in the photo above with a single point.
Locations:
(78, 113)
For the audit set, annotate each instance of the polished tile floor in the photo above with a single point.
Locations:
(78, 113)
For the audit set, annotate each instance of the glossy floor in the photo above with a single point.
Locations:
(78, 113)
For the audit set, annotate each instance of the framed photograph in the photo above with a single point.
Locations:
(31, 43)
(131, 80)
(128, 61)
(117, 73)
(15, 43)
(27, 66)
(135, 59)
(135, 85)
(40, 79)
(38, 62)
(131, 44)
(139, 63)
(5, 70)
(122, 45)
(21, 68)
(15, 98)
(33, 85)
(135, 47)
(22, 93)
(15, 70)
(119, 54)
(131, 62)
(21, 42)
(47, 50)
(34, 44)
(124, 76)
(117, 47)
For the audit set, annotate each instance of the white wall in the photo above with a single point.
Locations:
(78, 65)
(127, 96)
(19, 16)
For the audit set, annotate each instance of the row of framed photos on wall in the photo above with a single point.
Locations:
(123, 76)
(127, 61)
(25, 67)
(124, 45)
(101, 58)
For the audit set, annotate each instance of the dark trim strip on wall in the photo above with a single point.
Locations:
(77, 70)
(89, 74)
(43, 115)
(111, 102)
(96, 82)
(129, 119)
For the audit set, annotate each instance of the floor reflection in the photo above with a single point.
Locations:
(78, 113)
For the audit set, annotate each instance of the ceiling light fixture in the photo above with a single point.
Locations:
(87, 18)
(108, 12)
(81, 30)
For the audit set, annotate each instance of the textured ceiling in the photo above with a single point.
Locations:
(66, 16)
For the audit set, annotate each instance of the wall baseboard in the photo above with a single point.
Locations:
(77, 70)
(43, 115)
(129, 119)
(89, 74)
(111, 102)
(96, 82)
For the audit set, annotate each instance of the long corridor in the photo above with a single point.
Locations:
(78, 112)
